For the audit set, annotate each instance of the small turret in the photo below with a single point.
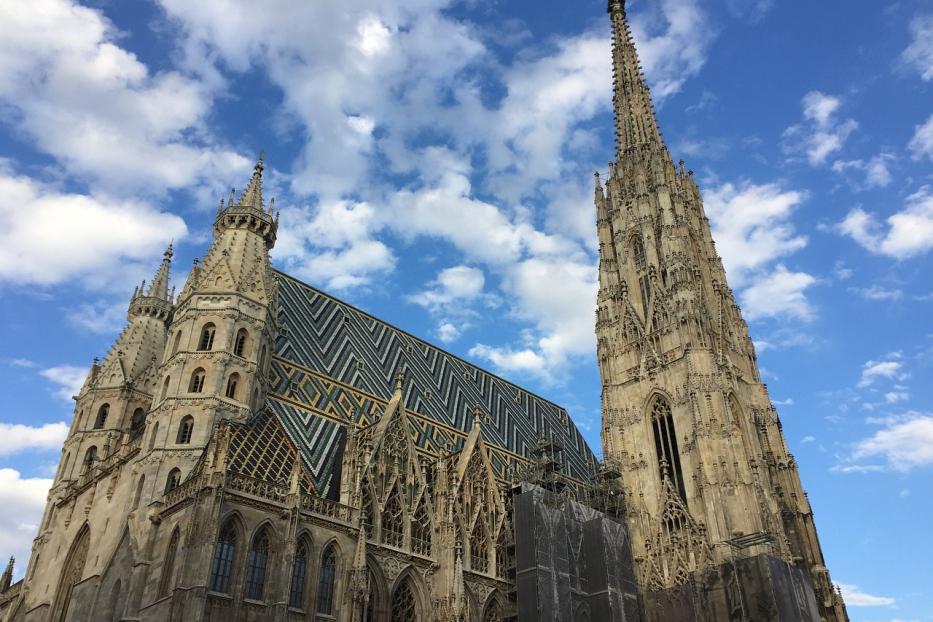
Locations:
(249, 211)
(7, 579)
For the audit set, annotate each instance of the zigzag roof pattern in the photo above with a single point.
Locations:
(335, 364)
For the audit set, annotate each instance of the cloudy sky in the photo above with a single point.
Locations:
(433, 163)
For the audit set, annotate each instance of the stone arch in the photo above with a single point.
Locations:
(493, 609)
(152, 437)
(299, 588)
(378, 605)
(399, 611)
(258, 561)
(659, 417)
(72, 571)
(329, 570)
(167, 580)
(227, 553)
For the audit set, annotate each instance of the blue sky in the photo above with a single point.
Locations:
(433, 160)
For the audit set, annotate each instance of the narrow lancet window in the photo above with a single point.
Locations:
(665, 441)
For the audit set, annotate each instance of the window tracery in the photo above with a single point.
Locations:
(256, 566)
(224, 554)
(326, 583)
(404, 608)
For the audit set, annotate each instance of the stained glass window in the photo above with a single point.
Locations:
(403, 604)
(224, 553)
(256, 566)
(325, 598)
(296, 597)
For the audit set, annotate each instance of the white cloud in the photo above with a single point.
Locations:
(857, 598)
(877, 292)
(919, 54)
(16, 437)
(872, 370)
(751, 225)
(96, 108)
(102, 317)
(822, 134)
(68, 378)
(49, 237)
(877, 170)
(26, 498)
(909, 232)
(778, 293)
(893, 397)
(808, 439)
(753, 10)
(448, 332)
(921, 144)
(904, 445)
(458, 284)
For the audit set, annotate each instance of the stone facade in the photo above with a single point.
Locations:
(255, 449)
(686, 419)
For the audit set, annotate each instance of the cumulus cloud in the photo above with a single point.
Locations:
(781, 292)
(92, 105)
(908, 232)
(855, 597)
(67, 378)
(921, 144)
(919, 54)
(889, 368)
(902, 445)
(51, 236)
(17, 438)
(17, 529)
(876, 171)
(822, 132)
(450, 297)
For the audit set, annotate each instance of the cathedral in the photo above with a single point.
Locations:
(254, 449)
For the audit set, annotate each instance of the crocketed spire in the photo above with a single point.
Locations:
(636, 124)
(252, 196)
(159, 286)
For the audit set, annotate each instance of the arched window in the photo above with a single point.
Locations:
(373, 605)
(479, 548)
(177, 342)
(421, 530)
(168, 565)
(493, 612)
(638, 252)
(101, 419)
(137, 422)
(239, 344)
(165, 387)
(197, 381)
(152, 437)
(504, 551)
(231, 385)
(90, 457)
(665, 442)
(139, 491)
(403, 603)
(296, 596)
(63, 467)
(327, 581)
(256, 565)
(73, 571)
(262, 358)
(207, 337)
(224, 554)
(173, 480)
(185, 428)
(392, 523)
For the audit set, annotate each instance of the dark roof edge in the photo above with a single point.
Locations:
(427, 343)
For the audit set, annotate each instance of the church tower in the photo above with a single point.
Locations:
(687, 421)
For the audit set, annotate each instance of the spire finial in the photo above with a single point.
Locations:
(252, 196)
(159, 286)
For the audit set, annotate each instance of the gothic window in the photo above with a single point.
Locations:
(403, 603)
(165, 387)
(366, 518)
(638, 253)
(231, 385)
(168, 565)
(185, 429)
(493, 612)
(101, 419)
(327, 581)
(73, 570)
(372, 604)
(177, 342)
(197, 381)
(504, 552)
(392, 520)
(173, 479)
(90, 457)
(296, 596)
(137, 421)
(224, 553)
(152, 437)
(665, 442)
(139, 491)
(207, 337)
(421, 530)
(256, 565)
(239, 344)
(479, 548)
(644, 284)
(262, 358)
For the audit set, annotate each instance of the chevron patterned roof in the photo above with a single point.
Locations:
(335, 363)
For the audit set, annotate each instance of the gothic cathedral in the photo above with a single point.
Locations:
(255, 449)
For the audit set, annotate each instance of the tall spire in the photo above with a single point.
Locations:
(252, 196)
(636, 125)
(159, 286)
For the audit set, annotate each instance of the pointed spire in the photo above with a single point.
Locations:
(159, 286)
(636, 124)
(252, 196)
(7, 579)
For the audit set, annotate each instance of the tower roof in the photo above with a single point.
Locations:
(252, 196)
(636, 124)
(159, 286)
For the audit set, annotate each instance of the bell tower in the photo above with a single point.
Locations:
(705, 467)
